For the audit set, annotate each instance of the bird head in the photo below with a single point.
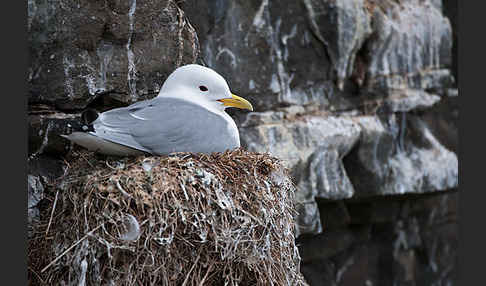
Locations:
(202, 84)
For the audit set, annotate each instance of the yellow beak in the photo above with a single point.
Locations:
(236, 101)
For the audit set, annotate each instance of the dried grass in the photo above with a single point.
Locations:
(220, 219)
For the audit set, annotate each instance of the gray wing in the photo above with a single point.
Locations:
(161, 126)
(114, 125)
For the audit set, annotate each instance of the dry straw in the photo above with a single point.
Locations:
(185, 219)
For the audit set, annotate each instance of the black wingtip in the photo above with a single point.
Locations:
(89, 116)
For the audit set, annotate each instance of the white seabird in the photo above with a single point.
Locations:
(186, 116)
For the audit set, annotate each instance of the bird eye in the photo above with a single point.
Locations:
(203, 88)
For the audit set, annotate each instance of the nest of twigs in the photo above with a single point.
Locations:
(184, 219)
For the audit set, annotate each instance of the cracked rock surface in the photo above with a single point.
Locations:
(79, 50)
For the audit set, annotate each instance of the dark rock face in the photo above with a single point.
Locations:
(409, 47)
(400, 156)
(125, 49)
(261, 53)
(338, 77)
(400, 240)
(342, 27)
(359, 97)
(44, 130)
(35, 194)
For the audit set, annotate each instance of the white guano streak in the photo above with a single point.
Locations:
(68, 80)
(132, 71)
(258, 20)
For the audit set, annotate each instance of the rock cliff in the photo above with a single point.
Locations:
(359, 98)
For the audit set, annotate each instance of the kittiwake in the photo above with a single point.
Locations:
(186, 116)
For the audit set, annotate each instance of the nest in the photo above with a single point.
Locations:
(185, 219)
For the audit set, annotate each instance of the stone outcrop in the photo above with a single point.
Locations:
(366, 64)
(358, 97)
(123, 49)
(35, 195)
(385, 241)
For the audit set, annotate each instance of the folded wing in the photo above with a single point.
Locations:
(161, 126)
